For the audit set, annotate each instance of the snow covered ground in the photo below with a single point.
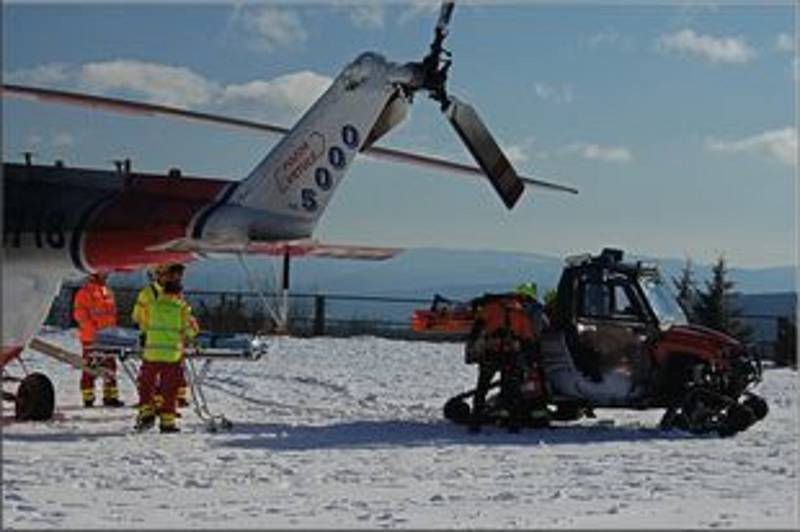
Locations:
(347, 433)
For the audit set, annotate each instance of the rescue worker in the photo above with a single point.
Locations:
(533, 386)
(506, 335)
(159, 276)
(148, 294)
(168, 325)
(94, 309)
(530, 289)
(530, 299)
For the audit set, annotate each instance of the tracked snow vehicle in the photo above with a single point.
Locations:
(614, 337)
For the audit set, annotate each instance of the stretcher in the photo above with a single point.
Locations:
(125, 346)
(444, 316)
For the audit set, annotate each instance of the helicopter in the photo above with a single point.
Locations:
(60, 223)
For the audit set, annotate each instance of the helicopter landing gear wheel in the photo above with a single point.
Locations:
(35, 399)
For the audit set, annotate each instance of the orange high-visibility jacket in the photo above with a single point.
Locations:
(94, 309)
(507, 315)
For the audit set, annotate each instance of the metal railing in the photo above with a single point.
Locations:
(308, 314)
(315, 314)
(774, 337)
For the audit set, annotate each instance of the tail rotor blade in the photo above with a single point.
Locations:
(486, 152)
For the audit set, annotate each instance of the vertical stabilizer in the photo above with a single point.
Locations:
(296, 180)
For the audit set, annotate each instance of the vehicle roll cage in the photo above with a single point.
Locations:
(600, 268)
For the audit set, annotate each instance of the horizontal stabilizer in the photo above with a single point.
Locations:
(295, 248)
(328, 251)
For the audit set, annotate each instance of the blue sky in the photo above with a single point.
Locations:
(675, 120)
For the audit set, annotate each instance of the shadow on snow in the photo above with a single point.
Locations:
(380, 434)
(61, 437)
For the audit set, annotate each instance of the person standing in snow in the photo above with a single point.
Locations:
(168, 325)
(94, 309)
(159, 276)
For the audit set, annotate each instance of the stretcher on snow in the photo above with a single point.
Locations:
(124, 345)
(444, 316)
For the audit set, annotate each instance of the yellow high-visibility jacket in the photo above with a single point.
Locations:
(146, 296)
(167, 323)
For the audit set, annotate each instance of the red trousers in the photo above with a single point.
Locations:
(163, 378)
(109, 377)
(181, 377)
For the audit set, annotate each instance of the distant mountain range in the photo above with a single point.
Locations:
(422, 272)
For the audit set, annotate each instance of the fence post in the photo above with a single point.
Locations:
(319, 315)
(786, 354)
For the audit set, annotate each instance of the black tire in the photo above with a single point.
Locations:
(36, 398)
(567, 412)
(457, 410)
(539, 422)
(739, 417)
(676, 376)
(700, 410)
(757, 405)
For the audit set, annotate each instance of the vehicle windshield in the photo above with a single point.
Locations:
(663, 303)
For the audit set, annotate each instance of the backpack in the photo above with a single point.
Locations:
(503, 328)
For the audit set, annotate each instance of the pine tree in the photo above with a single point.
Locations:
(715, 306)
(686, 289)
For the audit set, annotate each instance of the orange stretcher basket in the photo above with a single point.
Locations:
(448, 321)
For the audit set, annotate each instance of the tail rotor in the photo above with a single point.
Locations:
(464, 118)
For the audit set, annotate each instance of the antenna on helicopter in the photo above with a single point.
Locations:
(123, 166)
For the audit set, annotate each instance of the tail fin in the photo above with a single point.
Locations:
(297, 179)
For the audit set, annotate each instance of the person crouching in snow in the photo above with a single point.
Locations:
(168, 325)
(94, 309)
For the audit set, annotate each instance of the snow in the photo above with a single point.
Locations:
(348, 433)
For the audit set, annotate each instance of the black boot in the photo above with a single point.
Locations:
(144, 423)
(113, 402)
